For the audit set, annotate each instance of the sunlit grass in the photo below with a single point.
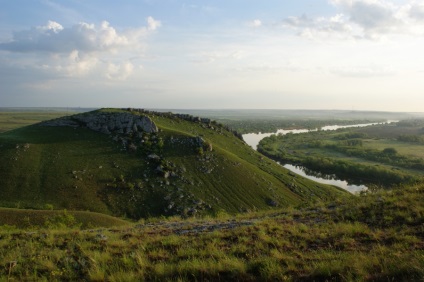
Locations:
(350, 242)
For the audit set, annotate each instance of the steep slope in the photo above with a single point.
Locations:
(136, 164)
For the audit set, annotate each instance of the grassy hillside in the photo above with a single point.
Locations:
(80, 169)
(372, 237)
(28, 219)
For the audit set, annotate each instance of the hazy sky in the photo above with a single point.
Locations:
(303, 54)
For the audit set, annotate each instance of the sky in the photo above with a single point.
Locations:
(222, 54)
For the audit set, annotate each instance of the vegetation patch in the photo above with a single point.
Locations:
(379, 154)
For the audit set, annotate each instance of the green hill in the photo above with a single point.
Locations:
(135, 164)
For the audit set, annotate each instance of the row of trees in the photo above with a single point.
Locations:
(367, 173)
(387, 156)
(244, 126)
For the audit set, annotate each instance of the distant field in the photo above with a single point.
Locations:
(13, 120)
(267, 121)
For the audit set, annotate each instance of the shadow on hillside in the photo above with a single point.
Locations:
(37, 134)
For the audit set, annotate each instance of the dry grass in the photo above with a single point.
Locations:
(377, 237)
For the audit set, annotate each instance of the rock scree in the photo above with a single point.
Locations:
(107, 122)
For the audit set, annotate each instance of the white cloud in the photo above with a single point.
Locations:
(108, 38)
(53, 26)
(79, 65)
(83, 37)
(255, 23)
(302, 21)
(73, 65)
(54, 38)
(368, 19)
(119, 72)
(374, 17)
(153, 24)
(336, 26)
(81, 49)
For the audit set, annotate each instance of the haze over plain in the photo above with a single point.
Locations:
(309, 54)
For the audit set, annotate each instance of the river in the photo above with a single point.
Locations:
(253, 140)
(329, 179)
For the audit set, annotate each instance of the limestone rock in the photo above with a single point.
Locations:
(107, 123)
(153, 157)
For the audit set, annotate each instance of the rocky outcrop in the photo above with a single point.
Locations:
(200, 142)
(108, 122)
(205, 122)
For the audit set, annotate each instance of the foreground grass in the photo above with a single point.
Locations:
(375, 237)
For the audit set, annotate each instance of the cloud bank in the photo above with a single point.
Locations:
(363, 19)
(82, 48)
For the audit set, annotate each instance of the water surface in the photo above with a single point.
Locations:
(329, 179)
(253, 140)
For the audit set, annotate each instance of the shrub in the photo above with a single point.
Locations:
(390, 151)
(62, 220)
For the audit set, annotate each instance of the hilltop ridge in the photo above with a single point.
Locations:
(107, 122)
